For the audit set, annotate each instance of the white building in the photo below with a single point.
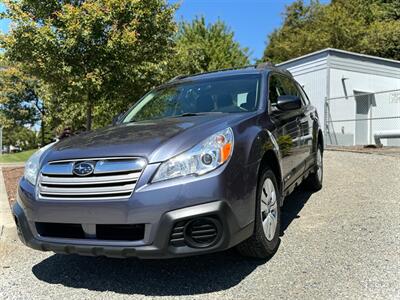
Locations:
(356, 95)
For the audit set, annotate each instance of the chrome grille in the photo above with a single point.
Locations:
(112, 178)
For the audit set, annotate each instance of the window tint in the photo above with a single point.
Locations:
(280, 85)
(246, 100)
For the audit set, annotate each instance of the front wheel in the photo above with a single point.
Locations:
(265, 240)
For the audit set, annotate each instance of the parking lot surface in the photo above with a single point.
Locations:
(342, 242)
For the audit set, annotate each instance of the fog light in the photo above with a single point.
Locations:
(202, 232)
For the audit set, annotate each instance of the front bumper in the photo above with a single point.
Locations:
(231, 235)
(227, 194)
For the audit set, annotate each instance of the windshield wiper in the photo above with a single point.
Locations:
(188, 115)
(197, 114)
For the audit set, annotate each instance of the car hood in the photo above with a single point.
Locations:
(156, 140)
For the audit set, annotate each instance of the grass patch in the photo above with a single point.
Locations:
(16, 157)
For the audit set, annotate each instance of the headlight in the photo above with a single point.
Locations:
(32, 165)
(204, 157)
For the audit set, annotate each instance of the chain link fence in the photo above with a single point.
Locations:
(363, 119)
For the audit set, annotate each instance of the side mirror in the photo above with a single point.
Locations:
(288, 102)
(117, 118)
(67, 132)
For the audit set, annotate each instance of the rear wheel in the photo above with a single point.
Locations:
(265, 239)
(314, 180)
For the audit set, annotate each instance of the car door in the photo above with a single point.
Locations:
(287, 129)
(306, 122)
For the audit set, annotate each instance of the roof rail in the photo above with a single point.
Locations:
(265, 65)
(269, 65)
(214, 71)
(178, 77)
(229, 69)
(284, 70)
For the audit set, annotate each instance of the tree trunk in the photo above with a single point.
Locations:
(42, 130)
(89, 112)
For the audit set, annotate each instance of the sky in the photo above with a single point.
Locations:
(250, 20)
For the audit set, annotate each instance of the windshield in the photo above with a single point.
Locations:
(233, 94)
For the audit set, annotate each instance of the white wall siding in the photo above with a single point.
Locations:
(342, 81)
(345, 83)
(338, 75)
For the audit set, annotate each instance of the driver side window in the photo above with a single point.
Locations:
(280, 85)
(275, 87)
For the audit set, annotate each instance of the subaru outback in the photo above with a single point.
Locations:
(200, 164)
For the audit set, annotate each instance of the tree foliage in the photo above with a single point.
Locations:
(94, 51)
(202, 48)
(21, 106)
(86, 61)
(20, 136)
(365, 26)
(18, 95)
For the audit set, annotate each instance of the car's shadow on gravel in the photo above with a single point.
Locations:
(184, 276)
(294, 203)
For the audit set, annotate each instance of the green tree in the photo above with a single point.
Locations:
(20, 136)
(201, 48)
(93, 53)
(365, 26)
(19, 98)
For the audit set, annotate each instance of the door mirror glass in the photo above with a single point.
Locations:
(287, 102)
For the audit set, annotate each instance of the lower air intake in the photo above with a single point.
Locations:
(196, 233)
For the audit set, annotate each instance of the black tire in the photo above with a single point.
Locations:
(258, 246)
(314, 181)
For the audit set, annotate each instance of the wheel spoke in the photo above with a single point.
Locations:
(264, 202)
(273, 217)
(273, 225)
(267, 227)
(266, 195)
(268, 186)
(271, 228)
(264, 207)
(273, 199)
(271, 186)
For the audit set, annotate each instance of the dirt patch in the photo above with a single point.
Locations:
(388, 151)
(11, 178)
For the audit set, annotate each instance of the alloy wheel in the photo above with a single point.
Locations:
(269, 209)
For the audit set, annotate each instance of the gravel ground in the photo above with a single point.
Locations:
(342, 242)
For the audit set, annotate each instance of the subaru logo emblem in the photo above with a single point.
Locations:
(83, 168)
